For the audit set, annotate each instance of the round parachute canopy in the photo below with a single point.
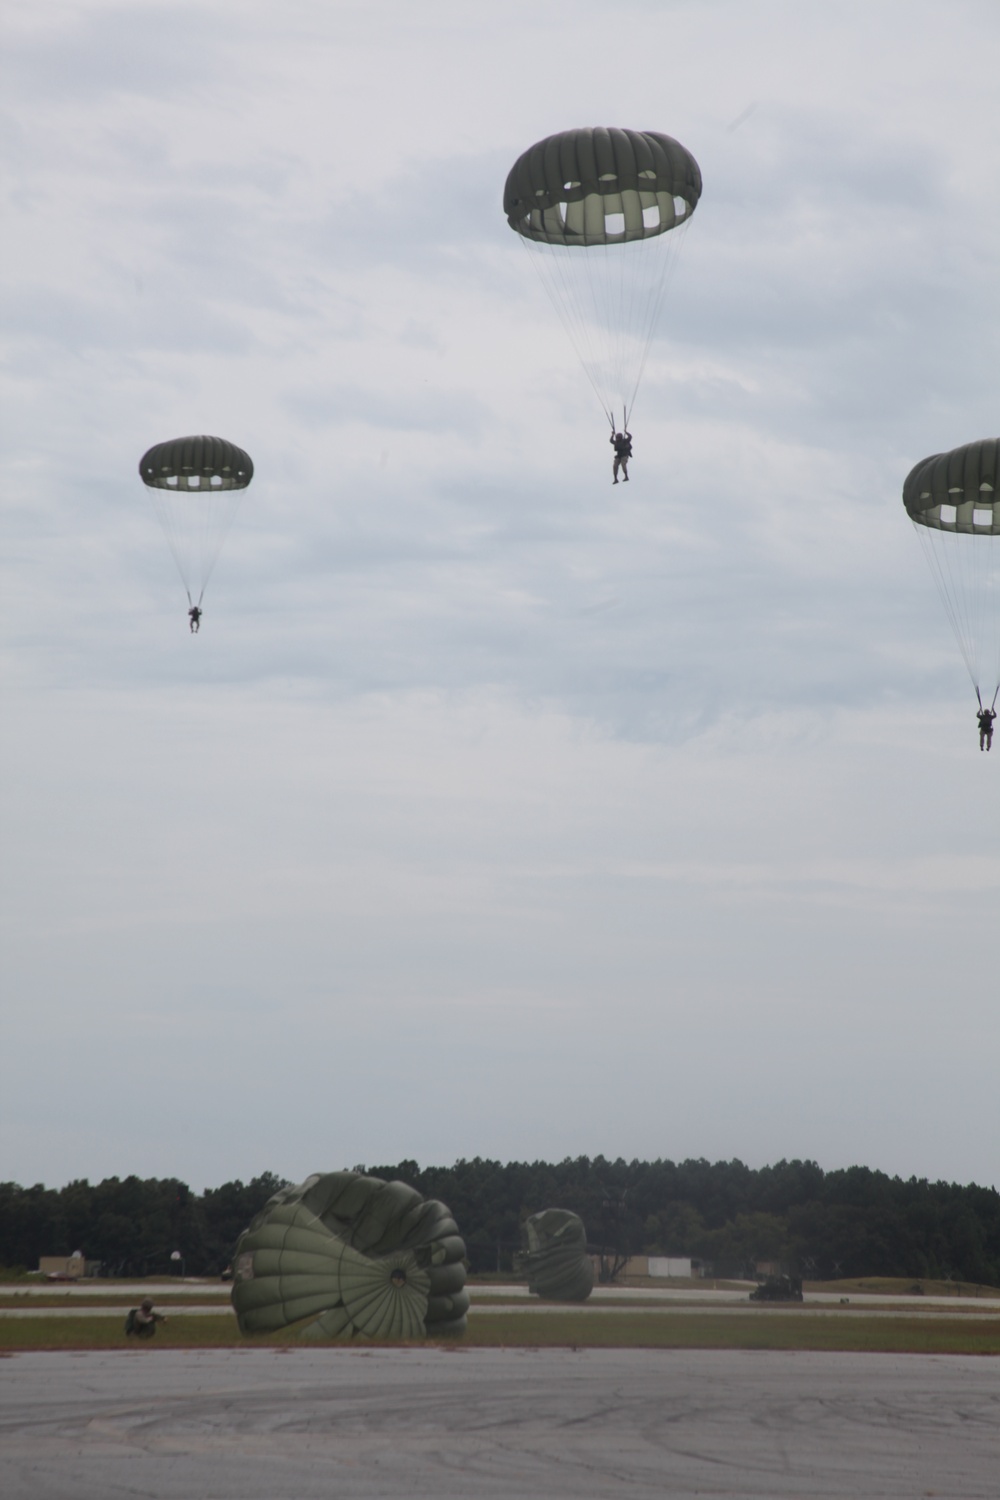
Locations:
(601, 187)
(953, 500)
(195, 485)
(596, 205)
(555, 1257)
(358, 1255)
(196, 463)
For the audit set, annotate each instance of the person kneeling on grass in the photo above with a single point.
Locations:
(142, 1320)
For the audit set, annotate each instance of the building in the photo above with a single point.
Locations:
(661, 1266)
(640, 1269)
(68, 1267)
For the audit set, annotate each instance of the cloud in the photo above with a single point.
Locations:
(84, 55)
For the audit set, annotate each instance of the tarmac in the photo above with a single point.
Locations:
(563, 1309)
(491, 1296)
(522, 1424)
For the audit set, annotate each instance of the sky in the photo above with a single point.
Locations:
(495, 811)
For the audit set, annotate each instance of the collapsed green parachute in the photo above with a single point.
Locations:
(554, 1257)
(597, 205)
(953, 500)
(359, 1254)
(195, 485)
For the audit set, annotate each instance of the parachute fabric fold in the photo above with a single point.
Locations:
(555, 1257)
(361, 1255)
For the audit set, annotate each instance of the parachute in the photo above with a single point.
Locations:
(195, 485)
(555, 1257)
(596, 208)
(359, 1254)
(953, 500)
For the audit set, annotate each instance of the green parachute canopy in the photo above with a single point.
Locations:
(596, 205)
(359, 1255)
(195, 485)
(953, 499)
(601, 187)
(554, 1257)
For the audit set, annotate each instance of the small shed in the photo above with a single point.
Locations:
(68, 1267)
(662, 1266)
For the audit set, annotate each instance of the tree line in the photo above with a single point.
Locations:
(823, 1225)
(131, 1225)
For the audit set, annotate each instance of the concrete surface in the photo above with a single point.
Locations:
(564, 1309)
(107, 1286)
(262, 1424)
(702, 1295)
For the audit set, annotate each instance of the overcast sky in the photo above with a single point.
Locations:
(495, 811)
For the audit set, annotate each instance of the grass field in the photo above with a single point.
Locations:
(896, 1286)
(923, 1335)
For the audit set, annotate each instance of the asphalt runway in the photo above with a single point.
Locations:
(561, 1310)
(72, 1294)
(364, 1424)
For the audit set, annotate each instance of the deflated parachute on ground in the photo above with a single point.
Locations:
(195, 485)
(597, 204)
(360, 1254)
(953, 500)
(555, 1257)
